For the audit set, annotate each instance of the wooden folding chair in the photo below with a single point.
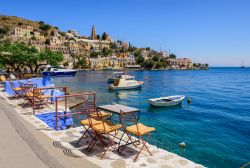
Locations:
(137, 130)
(39, 99)
(2, 78)
(87, 122)
(26, 93)
(17, 90)
(106, 129)
(93, 116)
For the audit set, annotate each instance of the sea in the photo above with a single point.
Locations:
(215, 126)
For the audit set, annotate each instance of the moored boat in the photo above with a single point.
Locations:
(124, 84)
(119, 75)
(166, 101)
(52, 71)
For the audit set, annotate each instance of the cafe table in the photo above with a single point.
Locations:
(116, 109)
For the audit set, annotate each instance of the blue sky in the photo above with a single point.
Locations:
(213, 31)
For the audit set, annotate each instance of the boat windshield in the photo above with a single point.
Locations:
(116, 82)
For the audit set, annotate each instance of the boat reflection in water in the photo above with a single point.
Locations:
(154, 109)
(126, 94)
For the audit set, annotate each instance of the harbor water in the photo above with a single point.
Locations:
(215, 126)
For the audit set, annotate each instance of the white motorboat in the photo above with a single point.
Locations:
(166, 101)
(123, 84)
(119, 75)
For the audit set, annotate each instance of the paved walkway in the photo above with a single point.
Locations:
(24, 146)
(15, 152)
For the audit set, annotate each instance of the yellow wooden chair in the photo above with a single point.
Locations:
(91, 119)
(2, 78)
(138, 130)
(107, 129)
(38, 99)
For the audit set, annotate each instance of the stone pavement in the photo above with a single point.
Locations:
(15, 152)
(24, 146)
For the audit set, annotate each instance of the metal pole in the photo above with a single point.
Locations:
(33, 102)
(94, 102)
(65, 105)
(56, 113)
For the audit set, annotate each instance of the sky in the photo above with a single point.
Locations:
(216, 32)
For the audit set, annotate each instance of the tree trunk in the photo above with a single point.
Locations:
(36, 68)
(16, 68)
(31, 68)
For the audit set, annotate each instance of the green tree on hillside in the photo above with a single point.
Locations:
(46, 57)
(19, 55)
(50, 57)
(137, 53)
(20, 23)
(155, 58)
(112, 46)
(4, 30)
(148, 64)
(173, 56)
(14, 55)
(98, 36)
(44, 27)
(140, 59)
(94, 54)
(104, 36)
(41, 22)
(81, 63)
(106, 52)
(47, 41)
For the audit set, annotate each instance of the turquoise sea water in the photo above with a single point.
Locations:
(215, 126)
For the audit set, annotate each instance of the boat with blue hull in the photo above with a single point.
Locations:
(59, 72)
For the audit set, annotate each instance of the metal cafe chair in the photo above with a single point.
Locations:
(17, 90)
(106, 129)
(27, 92)
(93, 118)
(135, 129)
(39, 99)
(88, 121)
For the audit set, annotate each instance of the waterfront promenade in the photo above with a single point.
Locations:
(58, 149)
(23, 146)
(15, 152)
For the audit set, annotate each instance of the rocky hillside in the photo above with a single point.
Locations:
(12, 21)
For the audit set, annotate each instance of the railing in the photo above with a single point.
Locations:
(85, 96)
(36, 102)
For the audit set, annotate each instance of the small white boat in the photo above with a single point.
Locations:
(123, 84)
(119, 75)
(166, 101)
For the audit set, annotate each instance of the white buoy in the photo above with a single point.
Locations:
(182, 144)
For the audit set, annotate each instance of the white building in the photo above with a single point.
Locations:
(20, 32)
(131, 59)
(163, 54)
(54, 40)
(180, 63)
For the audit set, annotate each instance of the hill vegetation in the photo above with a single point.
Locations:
(12, 21)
